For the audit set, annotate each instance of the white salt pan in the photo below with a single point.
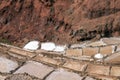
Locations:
(60, 48)
(32, 45)
(98, 56)
(49, 46)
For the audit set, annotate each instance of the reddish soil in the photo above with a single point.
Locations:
(61, 21)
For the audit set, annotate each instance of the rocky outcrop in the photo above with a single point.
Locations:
(61, 21)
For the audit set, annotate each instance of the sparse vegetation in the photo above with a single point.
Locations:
(5, 41)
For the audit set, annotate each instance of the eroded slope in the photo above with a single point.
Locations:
(62, 21)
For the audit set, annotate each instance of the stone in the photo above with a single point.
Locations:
(19, 77)
(56, 53)
(115, 71)
(112, 40)
(98, 69)
(75, 65)
(89, 78)
(107, 50)
(22, 52)
(49, 52)
(40, 51)
(63, 75)
(23, 76)
(16, 56)
(74, 46)
(118, 48)
(74, 52)
(113, 59)
(7, 65)
(97, 43)
(90, 51)
(35, 69)
(48, 60)
(4, 48)
(100, 77)
(85, 58)
(49, 46)
(32, 45)
(2, 77)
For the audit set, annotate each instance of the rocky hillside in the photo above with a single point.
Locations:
(60, 21)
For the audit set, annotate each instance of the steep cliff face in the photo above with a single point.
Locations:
(61, 21)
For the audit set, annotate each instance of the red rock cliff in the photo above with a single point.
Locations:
(59, 20)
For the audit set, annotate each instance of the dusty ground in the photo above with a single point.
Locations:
(61, 21)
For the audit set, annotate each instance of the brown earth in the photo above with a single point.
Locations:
(61, 21)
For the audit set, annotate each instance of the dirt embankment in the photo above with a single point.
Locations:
(61, 21)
